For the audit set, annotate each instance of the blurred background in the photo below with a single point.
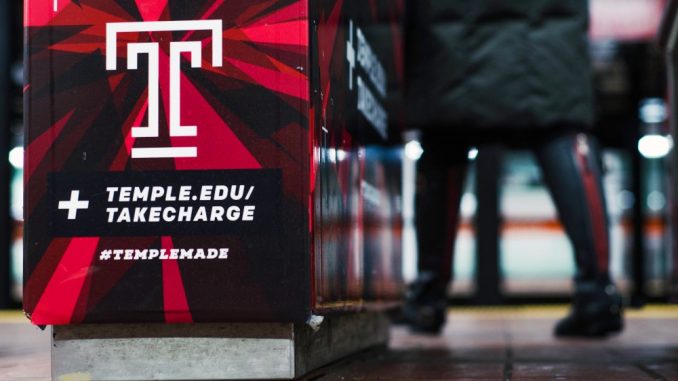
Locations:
(11, 148)
(533, 262)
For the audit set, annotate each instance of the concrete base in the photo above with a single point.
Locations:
(142, 352)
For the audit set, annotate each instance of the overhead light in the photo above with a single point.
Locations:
(413, 150)
(336, 155)
(652, 111)
(472, 153)
(655, 146)
(16, 157)
(656, 201)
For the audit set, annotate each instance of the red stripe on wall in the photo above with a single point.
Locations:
(61, 295)
(595, 207)
(174, 294)
(296, 11)
(40, 146)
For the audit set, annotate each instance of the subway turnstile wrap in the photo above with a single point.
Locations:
(210, 160)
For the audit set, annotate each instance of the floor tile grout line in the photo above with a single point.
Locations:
(656, 376)
(508, 361)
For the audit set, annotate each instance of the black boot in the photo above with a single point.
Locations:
(425, 305)
(596, 312)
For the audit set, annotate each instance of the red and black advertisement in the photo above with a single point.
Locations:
(189, 161)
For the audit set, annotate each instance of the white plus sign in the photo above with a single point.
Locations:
(73, 204)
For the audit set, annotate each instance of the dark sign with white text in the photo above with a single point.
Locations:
(165, 203)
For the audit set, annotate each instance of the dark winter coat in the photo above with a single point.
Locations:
(474, 64)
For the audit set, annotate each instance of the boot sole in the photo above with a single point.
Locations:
(596, 329)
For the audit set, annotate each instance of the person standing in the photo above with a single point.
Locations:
(519, 73)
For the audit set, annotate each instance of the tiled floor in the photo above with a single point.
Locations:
(484, 344)
(516, 344)
(24, 350)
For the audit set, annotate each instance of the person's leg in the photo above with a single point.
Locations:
(440, 177)
(438, 197)
(572, 170)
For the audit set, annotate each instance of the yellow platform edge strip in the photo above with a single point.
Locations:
(12, 316)
(655, 311)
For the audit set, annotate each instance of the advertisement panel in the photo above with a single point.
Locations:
(172, 158)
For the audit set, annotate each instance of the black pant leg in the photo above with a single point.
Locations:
(571, 164)
(440, 178)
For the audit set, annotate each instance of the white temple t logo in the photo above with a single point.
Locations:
(152, 49)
